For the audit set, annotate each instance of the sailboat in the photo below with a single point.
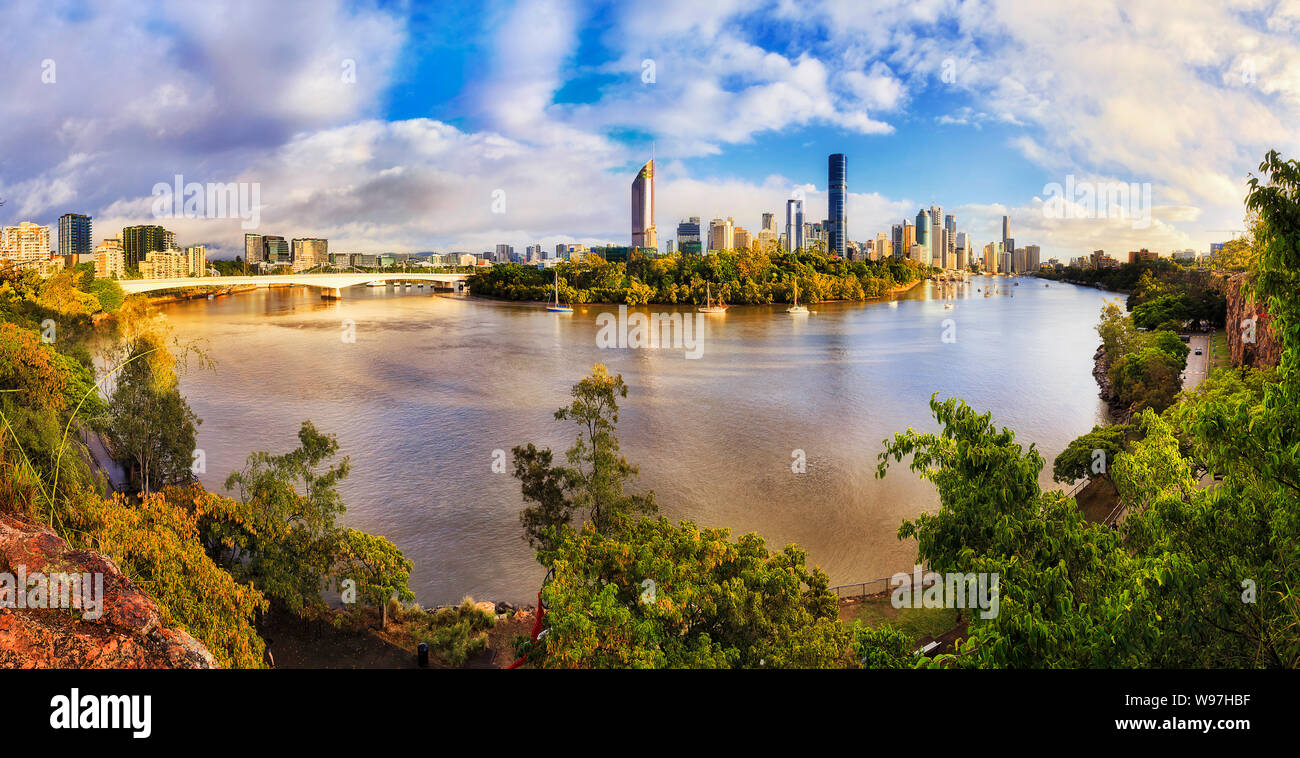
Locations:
(796, 309)
(708, 306)
(557, 307)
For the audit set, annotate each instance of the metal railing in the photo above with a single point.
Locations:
(877, 586)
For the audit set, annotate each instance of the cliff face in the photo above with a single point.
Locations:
(1265, 350)
(1101, 372)
(121, 629)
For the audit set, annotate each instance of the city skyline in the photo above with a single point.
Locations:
(379, 134)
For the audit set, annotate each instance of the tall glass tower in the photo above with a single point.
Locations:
(643, 207)
(793, 225)
(74, 234)
(837, 183)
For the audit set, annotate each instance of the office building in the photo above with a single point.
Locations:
(722, 234)
(643, 207)
(794, 225)
(836, 211)
(253, 250)
(309, 252)
(74, 235)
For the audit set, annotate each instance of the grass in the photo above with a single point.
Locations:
(1220, 356)
(454, 634)
(914, 622)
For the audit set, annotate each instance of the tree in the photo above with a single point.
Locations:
(152, 426)
(156, 543)
(281, 532)
(1079, 459)
(1067, 588)
(591, 486)
(658, 595)
(377, 567)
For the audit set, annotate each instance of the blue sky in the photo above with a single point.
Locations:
(978, 106)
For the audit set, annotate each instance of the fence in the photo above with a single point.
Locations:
(878, 586)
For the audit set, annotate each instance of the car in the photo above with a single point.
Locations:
(1198, 351)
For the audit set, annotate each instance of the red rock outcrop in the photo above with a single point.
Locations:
(127, 633)
(1265, 350)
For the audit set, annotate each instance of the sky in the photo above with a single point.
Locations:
(408, 126)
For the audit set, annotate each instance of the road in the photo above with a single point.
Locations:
(117, 478)
(1196, 364)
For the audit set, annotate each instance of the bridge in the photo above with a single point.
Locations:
(330, 285)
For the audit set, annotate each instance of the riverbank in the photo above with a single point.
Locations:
(892, 292)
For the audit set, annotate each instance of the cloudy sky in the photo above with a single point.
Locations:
(460, 125)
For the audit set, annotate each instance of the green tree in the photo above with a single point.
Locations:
(1079, 459)
(281, 533)
(1067, 588)
(591, 487)
(377, 567)
(658, 595)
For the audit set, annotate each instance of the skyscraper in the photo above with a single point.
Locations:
(309, 252)
(922, 228)
(896, 240)
(937, 243)
(1006, 228)
(837, 220)
(139, 241)
(794, 224)
(74, 234)
(643, 207)
(722, 234)
(252, 250)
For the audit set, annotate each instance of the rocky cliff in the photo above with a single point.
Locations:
(1265, 349)
(123, 630)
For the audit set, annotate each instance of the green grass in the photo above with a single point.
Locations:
(914, 622)
(1220, 356)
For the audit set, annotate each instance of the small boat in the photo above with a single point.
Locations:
(797, 309)
(557, 308)
(948, 306)
(708, 306)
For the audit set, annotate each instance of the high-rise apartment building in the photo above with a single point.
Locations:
(769, 223)
(1033, 257)
(25, 244)
(74, 235)
(836, 211)
(722, 234)
(109, 261)
(196, 260)
(253, 250)
(643, 207)
(139, 241)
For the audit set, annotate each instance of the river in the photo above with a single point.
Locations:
(431, 386)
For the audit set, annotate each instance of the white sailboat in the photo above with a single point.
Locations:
(796, 309)
(557, 308)
(708, 306)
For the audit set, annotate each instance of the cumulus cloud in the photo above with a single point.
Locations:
(1185, 98)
